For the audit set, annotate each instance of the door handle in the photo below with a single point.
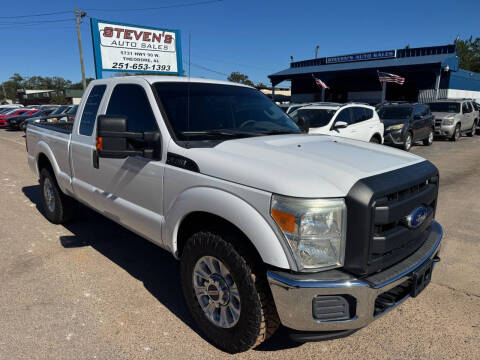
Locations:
(96, 162)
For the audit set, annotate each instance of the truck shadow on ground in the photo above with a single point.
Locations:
(145, 261)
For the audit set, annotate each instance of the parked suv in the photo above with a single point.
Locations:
(406, 124)
(454, 117)
(354, 121)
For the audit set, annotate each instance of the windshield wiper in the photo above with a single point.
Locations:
(280, 132)
(220, 132)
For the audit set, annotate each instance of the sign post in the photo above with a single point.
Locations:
(123, 47)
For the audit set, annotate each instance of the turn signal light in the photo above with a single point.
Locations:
(285, 221)
(99, 143)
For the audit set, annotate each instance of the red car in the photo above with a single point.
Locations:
(4, 117)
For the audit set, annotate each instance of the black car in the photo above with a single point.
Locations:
(407, 123)
(16, 122)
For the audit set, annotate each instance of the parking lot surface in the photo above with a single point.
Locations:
(93, 290)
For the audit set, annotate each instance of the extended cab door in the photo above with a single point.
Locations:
(82, 145)
(130, 190)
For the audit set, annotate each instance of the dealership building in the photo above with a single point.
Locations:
(430, 73)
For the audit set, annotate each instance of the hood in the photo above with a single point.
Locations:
(390, 122)
(298, 165)
(441, 115)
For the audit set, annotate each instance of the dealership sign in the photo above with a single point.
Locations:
(124, 47)
(375, 55)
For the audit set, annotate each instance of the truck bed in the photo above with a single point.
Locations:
(64, 127)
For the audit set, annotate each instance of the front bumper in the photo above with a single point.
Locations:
(394, 138)
(444, 130)
(294, 294)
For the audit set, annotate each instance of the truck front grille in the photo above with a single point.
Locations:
(378, 235)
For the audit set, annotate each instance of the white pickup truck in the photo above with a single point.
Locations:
(271, 226)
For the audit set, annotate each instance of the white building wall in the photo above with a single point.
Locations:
(461, 94)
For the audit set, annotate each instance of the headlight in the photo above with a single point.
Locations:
(315, 230)
(449, 120)
(396, 127)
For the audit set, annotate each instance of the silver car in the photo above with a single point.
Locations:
(454, 118)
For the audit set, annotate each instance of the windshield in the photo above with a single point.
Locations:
(316, 117)
(72, 110)
(214, 111)
(395, 112)
(450, 107)
(59, 110)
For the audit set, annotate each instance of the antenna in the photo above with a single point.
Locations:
(188, 86)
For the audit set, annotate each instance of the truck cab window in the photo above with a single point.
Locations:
(90, 110)
(130, 100)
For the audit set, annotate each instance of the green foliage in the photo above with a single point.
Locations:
(59, 99)
(261, 85)
(16, 82)
(240, 78)
(469, 53)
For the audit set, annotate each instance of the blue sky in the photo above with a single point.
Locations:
(255, 37)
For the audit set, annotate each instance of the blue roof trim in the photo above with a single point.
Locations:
(406, 61)
(464, 80)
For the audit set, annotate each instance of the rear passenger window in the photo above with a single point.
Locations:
(368, 113)
(358, 114)
(130, 100)
(90, 110)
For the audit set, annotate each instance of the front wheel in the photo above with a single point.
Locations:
(231, 304)
(474, 129)
(408, 142)
(456, 133)
(429, 140)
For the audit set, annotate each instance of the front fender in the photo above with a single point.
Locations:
(233, 209)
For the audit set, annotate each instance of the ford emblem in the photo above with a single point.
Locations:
(416, 217)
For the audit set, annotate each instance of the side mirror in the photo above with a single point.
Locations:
(340, 125)
(115, 141)
(303, 124)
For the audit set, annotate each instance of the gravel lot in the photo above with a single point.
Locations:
(93, 290)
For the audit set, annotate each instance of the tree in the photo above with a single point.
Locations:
(59, 99)
(468, 52)
(261, 85)
(240, 78)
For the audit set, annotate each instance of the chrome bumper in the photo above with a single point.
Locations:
(444, 130)
(293, 296)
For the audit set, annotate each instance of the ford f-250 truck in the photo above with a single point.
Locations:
(271, 226)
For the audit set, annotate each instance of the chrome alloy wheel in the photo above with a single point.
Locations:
(430, 137)
(216, 292)
(49, 194)
(457, 133)
(408, 142)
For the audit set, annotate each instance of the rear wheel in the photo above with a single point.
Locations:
(58, 207)
(407, 145)
(230, 303)
(473, 131)
(375, 140)
(456, 133)
(429, 140)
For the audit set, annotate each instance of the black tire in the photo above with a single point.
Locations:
(60, 210)
(23, 126)
(375, 140)
(472, 132)
(457, 133)
(407, 145)
(258, 318)
(429, 140)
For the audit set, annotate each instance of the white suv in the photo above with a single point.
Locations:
(354, 121)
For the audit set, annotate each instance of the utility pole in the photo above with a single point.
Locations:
(78, 16)
(316, 51)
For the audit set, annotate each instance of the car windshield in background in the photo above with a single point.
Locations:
(315, 117)
(73, 110)
(199, 111)
(59, 110)
(395, 112)
(450, 107)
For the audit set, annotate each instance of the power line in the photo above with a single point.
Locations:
(233, 63)
(36, 22)
(205, 2)
(34, 15)
(207, 69)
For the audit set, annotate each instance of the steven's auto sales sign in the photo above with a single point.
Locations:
(122, 47)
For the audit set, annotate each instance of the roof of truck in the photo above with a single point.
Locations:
(162, 78)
